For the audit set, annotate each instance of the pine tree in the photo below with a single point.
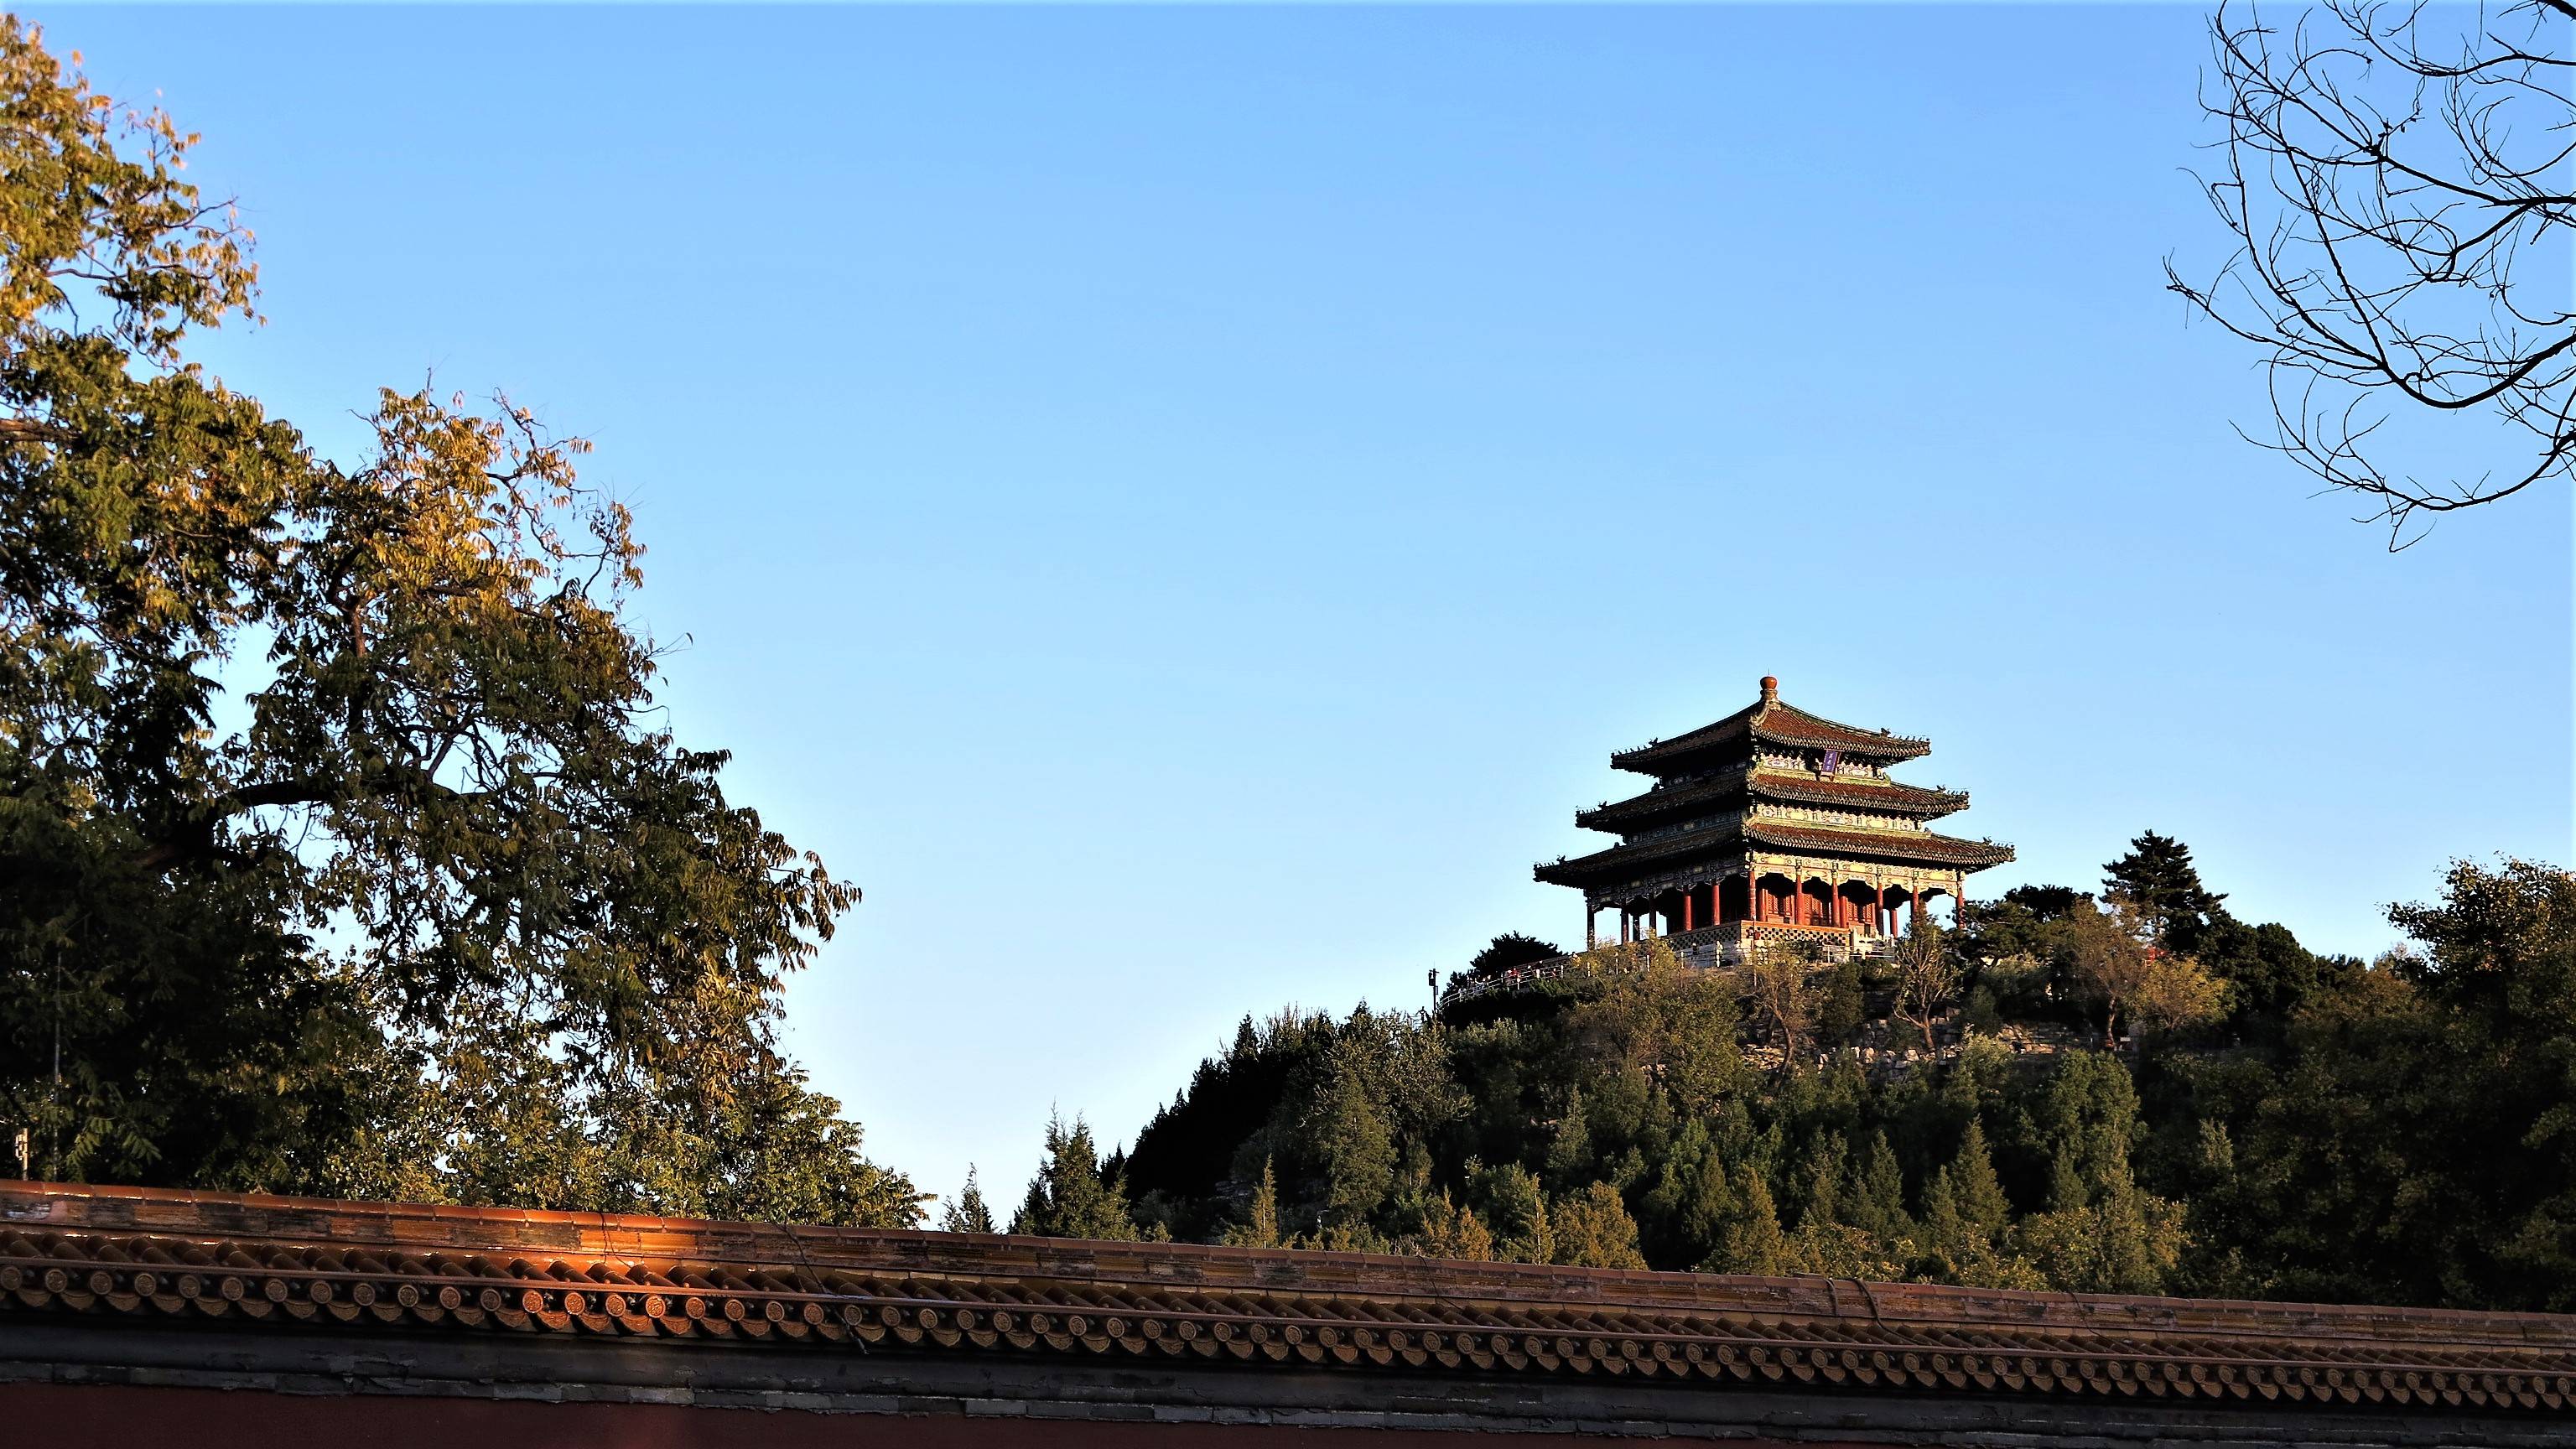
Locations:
(967, 1214)
(1452, 1230)
(1351, 1138)
(1687, 1208)
(1069, 1197)
(1945, 1229)
(1976, 1192)
(1874, 1199)
(1517, 1209)
(1753, 1243)
(1569, 1154)
(1261, 1230)
(1823, 1189)
(2157, 876)
(1593, 1230)
(1511, 949)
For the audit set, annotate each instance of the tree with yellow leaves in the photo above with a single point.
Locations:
(342, 846)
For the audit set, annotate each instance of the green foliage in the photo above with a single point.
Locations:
(1569, 1152)
(1349, 1135)
(1517, 1207)
(1072, 1196)
(1841, 1005)
(969, 1213)
(1622, 1124)
(341, 845)
(1260, 1227)
(2401, 1133)
(2415, 1142)
(1511, 949)
(1753, 1243)
(1593, 1230)
(2270, 977)
(1451, 1230)
(2157, 877)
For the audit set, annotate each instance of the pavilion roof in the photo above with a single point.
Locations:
(1669, 800)
(159, 1263)
(1923, 845)
(1604, 867)
(1771, 722)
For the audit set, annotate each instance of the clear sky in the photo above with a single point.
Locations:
(1180, 504)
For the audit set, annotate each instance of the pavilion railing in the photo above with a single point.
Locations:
(1707, 948)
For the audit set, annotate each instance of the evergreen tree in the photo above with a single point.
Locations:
(2157, 876)
(1874, 1199)
(1351, 1139)
(2044, 902)
(1945, 1231)
(1821, 1198)
(1753, 1243)
(2411, 1105)
(1069, 1197)
(1569, 1152)
(2418, 1143)
(1511, 949)
(1517, 1208)
(1965, 1221)
(1261, 1228)
(1593, 1229)
(1452, 1230)
(1977, 1193)
(1687, 1208)
(968, 1214)
(2269, 975)
(1841, 1005)
(2101, 1233)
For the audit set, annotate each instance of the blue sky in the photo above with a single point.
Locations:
(1180, 504)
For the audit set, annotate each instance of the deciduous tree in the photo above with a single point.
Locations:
(334, 795)
(1927, 978)
(2394, 175)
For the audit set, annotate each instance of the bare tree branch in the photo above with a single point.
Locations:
(2387, 168)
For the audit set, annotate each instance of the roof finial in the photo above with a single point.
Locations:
(1770, 689)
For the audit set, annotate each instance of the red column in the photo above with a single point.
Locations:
(1689, 901)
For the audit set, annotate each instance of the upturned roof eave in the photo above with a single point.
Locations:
(1926, 847)
(1913, 801)
(1907, 847)
(1757, 721)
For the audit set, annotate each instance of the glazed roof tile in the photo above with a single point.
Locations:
(1905, 845)
(1774, 723)
(284, 1264)
(1606, 866)
(1888, 795)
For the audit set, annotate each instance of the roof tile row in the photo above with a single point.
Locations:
(544, 1273)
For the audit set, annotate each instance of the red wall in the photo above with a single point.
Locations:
(65, 1417)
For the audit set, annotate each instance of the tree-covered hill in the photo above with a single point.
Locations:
(2264, 1122)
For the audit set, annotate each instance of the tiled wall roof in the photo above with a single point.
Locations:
(281, 1263)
